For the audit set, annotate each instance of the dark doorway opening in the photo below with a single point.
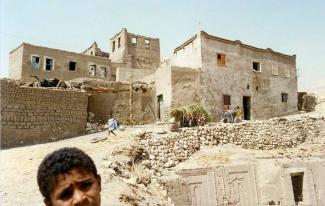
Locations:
(247, 107)
(297, 180)
(160, 106)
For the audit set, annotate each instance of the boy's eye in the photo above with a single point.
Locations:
(66, 194)
(86, 185)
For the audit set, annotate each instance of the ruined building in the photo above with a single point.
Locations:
(216, 72)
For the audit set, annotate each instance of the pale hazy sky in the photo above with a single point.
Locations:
(287, 26)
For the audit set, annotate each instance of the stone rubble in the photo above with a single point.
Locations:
(276, 133)
(94, 127)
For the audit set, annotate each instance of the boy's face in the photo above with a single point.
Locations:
(75, 188)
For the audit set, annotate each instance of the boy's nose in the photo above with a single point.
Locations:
(79, 198)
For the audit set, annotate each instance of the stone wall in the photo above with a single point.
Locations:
(36, 115)
(277, 133)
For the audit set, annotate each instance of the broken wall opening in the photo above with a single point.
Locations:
(128, 103)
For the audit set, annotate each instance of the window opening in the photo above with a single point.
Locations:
(284, 97)
(221, 59)
(35, 62)
(257, 66)
(48, 64)
(72, 66)
(147, 44)
(134, 41)
(113, 46)
(102, 72)
(226, 100)
(92, 70)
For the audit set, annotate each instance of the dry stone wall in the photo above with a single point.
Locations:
(276, 133)
(35, 115)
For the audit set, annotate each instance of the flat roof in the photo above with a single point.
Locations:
(235, 42)
(60, 50)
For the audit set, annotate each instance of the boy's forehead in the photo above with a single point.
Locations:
(72, 175)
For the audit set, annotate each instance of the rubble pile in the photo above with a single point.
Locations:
(94, 127)
(276, 133)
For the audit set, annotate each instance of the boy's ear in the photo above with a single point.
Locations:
(99, 180)
(47, 202)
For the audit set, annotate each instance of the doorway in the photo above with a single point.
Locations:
(297, 180)
(247, 107)
(160, 101)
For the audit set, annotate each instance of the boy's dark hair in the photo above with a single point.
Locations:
(59, 162)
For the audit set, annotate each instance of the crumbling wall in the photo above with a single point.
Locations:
(142, 52)
(101, 104)
(306, 102)
(138, 108)
(36, 115)
(277, 133)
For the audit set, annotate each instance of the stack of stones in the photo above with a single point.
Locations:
(93, 127)
(277, 133)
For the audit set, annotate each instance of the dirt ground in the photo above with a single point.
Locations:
(19, 167)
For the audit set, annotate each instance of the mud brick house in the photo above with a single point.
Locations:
(221, 73)
(213, 71)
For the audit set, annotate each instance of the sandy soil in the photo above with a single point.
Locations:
(19, 167)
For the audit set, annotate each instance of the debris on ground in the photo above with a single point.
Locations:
(98, 139)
